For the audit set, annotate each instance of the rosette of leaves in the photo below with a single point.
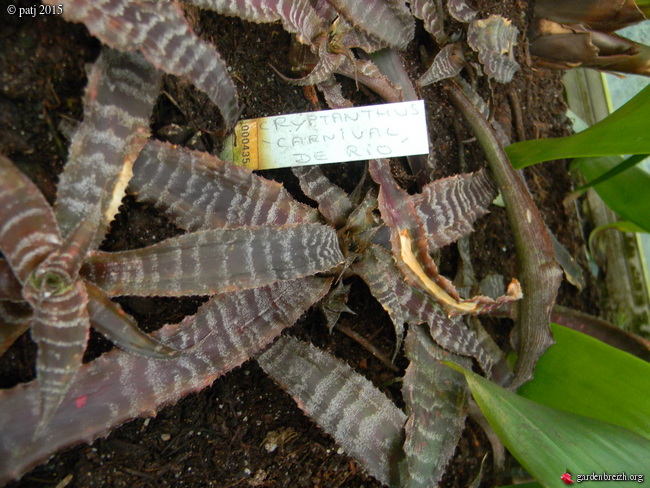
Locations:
(200, 192)
(278, 258)
(272, 251)
(45, 249)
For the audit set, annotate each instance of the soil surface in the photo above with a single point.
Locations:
(224, 436)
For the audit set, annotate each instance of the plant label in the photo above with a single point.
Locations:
(329, 136)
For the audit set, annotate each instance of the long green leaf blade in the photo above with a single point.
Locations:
(547, 441)
(616, 170)
(626, 193)
(583, 375)
(622, 132)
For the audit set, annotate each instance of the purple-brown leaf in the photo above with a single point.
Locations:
(432, 16)
(28, 231)
(121, 91)
(160, 32)
(387, 20)
(217, 261)
(436, 398)
(108, 318)
(119, 386)
(199, 191)
(343, 403)
(494, 38)
(449, 206)
(447, 63)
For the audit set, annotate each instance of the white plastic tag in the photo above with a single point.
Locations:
(329, 136)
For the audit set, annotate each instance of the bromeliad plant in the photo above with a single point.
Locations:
(258, 296)
(275, 261)
(276, 258)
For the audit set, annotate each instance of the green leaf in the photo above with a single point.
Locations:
(547, 441)
(622, 132)
(620, 225)
(626, 193)
(524, 485)
(618, 169)
(585, 376)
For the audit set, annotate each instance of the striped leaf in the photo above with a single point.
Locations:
(333, 203)
(343, 403)
(159, 31)
(199, 191)
(119, 386)
(60, 329)
(60, 320)
(121, 91)
(381, 275)
(297, 16)
(435, 399)
(386, 20)
(433, 18)
(448, 207)
(460, 11)
(407, 304)
(410, 249)
(28, 231)
(217, 261)
(494, 38)
(449, 62)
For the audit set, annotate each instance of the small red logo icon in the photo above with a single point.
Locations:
(566, 477)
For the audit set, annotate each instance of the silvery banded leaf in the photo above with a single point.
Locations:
(333, 203)
(436, 399)
(494, 38)
(448, 207)
(430, 11)
(28, 230)
(199, 191)
(449, 62)
(160, 32)
(118, 386)
(297, 16)
(217, 261)
(345, 404)
(121, 91)
(460, 11)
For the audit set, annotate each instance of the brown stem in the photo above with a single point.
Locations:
(539, 273)
(367, 345)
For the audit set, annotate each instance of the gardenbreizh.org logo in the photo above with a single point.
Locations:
(568, 478)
